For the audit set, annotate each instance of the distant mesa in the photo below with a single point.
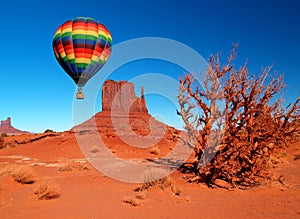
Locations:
(6, 127)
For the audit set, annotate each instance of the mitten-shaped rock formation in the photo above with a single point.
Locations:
(125, 114)
(119, 97)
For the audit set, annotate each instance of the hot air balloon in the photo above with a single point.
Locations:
(82, 46)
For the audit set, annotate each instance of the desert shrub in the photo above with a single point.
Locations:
(95, 149)
(297, 156)
(2, 143)
(155, 177)
(234, 121)
(140, 196)
(68, 165)
(46, 190)
(176, 189)
(4, 134)
(154, 150)
(21, 174)
(49, 131)
(132, 201)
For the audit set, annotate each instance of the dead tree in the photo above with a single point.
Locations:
(234, 120)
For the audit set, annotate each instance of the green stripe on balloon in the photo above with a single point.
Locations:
(81, 65)
(66, 34)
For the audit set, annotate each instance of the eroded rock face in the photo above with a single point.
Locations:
(120, 97)
(6, 127)
(126, 116)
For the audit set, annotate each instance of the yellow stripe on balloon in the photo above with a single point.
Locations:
(95, 58)
(78, 60)
(58, 31)
(82, 60)
(91, 32)
(102, 58)
(65, 30)
(101, 32)
(74, 32)
(71, 56)
(62, 54)
(86, 60)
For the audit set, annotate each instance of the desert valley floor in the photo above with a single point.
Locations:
(84, 192)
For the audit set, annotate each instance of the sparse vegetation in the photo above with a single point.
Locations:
(66, 166)
(132, 201)
(46, 190)
(95, 149)
(297, 156)
(49, 131)
(176, 189)
(154, 150)
(70, 166)
(235, 120)
(158, 177)
(140, 196)
(155, 177)
(20, 173)
(2, 143)
(283, 154)
(4, 134)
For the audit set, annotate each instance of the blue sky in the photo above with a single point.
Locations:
(38, 95)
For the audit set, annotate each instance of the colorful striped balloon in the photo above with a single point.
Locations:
(82, 46)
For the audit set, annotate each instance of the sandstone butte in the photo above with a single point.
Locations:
(123, 113)
(6, 127)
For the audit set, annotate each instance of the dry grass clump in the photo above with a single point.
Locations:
(95, 149)
(158, 177)
(140, 196)
(297, 156)
(20, 173)
(153, 178)
(154, 150)
(132, 201)
(66, 166)
(2, 143)
(176, 189)
(46, 190)
(70, 166)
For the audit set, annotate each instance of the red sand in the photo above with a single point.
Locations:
(90, 194)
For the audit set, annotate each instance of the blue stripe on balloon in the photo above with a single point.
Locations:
(103, 42)
(78, 41)
(66, 38)
(92, 42)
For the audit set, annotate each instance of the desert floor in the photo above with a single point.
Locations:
(84, 192)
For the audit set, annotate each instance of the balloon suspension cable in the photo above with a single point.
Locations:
(80, 94)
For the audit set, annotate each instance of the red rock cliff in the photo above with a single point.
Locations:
(120, 97)
(6, 127)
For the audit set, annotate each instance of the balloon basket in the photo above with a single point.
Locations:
(80, 95)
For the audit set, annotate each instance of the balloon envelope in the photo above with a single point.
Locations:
(82, 46)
